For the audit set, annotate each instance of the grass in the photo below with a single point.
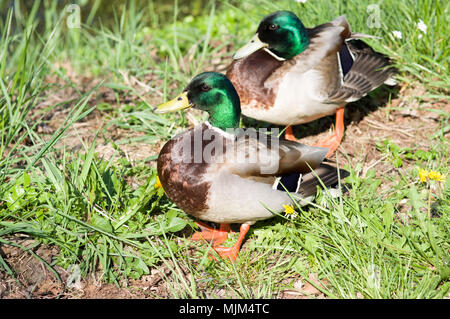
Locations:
(105, 214)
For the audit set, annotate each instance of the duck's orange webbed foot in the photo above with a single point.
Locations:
(334, 140)
(289, 134)
(233, 251)
(217, 236)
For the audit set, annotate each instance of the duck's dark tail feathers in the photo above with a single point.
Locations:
(324, 176)
(363, 70)
(306, 185)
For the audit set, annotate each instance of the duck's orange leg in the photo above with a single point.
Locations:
(334, 140)
(218, 236)
(232, 252)
(289, 134)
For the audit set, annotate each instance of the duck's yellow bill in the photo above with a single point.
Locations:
(181, 102)
(254, 45)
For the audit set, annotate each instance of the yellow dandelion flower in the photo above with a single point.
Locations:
(289, 209)
(433, 175)
(423, 174)
(158, 183)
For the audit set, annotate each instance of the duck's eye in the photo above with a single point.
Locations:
(205, 87)
(272, 27)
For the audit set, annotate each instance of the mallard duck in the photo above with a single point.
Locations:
(228, 177)
(288, 74)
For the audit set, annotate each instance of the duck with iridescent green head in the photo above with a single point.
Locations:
(288, 74)
(218, 175)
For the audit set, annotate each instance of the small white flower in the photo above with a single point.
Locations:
(302, 1)
(397, 34)
(422, 26)
(420, 36)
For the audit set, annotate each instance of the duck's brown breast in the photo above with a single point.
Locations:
(248, 76)
(182, 176)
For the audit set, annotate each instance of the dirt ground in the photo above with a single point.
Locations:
(368, 121)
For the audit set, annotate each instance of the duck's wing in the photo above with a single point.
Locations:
(266, 156)
(362, 69)
(284, 165)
